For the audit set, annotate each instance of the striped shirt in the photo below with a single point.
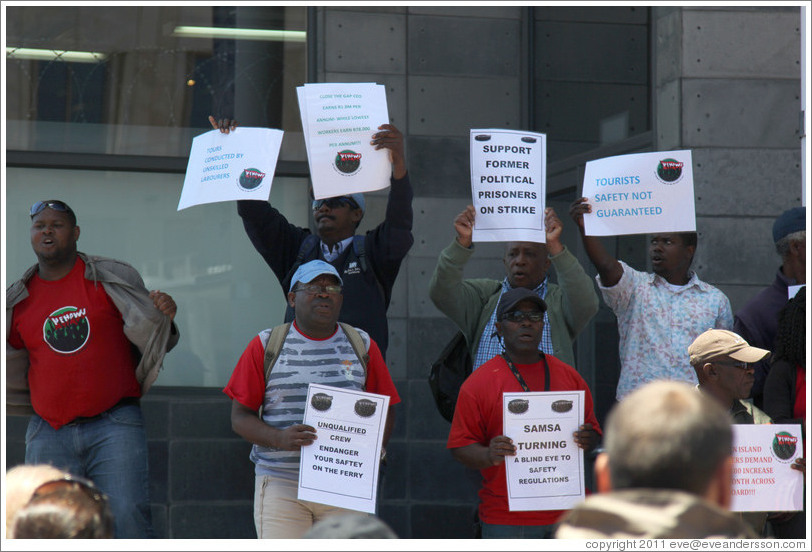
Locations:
(302, 361)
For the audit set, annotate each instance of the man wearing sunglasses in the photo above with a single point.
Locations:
(472, 303)
(476, 438)
(84, 341)
(368, 264)
(316, 349)
(725, 366)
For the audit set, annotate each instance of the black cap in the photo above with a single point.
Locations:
(513, 297)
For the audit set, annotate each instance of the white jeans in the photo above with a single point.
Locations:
(278, 514)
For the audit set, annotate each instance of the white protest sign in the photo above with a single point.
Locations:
(547, 472)
(228, 167)
(341, 467)
(508, 184)
(641, 193)
(763, 480)
(338, 121)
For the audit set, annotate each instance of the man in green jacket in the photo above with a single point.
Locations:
(472, 303)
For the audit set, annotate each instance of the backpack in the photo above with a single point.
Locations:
(308, 248)
(274, 347)
(448, 372)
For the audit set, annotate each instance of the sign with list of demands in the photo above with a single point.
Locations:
(508, 184)
(641, 193)
(763, 480)
(338, 121)
(228, 167)
(547, 472)
(341, 467)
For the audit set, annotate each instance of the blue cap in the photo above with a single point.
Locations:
(309, 271)
(359, 199)
(790, 221)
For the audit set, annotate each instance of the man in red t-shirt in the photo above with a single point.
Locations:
(85, 339)
(477, 437)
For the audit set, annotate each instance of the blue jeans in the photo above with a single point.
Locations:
(490, 531)
(110, 451)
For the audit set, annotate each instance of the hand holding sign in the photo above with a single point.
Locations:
(639, 194)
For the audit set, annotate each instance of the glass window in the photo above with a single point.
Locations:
(201, 256)
(142, 80)
(592, 79)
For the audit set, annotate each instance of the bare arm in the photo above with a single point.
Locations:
(250, 427)
(608, 267)
(480, 457)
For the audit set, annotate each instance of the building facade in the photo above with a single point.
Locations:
(109, 132)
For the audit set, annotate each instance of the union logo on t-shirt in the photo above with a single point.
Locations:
(66, 330)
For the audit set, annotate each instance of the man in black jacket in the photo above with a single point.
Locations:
(368, 264)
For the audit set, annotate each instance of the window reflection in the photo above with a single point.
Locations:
(123, 80)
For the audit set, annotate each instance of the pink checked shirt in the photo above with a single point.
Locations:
(657, 324)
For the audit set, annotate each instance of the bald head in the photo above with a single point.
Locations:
(667, 435)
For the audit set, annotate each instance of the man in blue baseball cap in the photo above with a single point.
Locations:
(269, 411)
(757, 320)
(368, 263)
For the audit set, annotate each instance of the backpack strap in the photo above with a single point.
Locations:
(358, 346)
(274, 347)
(306, 249)
(358, 248)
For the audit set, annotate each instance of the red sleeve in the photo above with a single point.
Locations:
(589, 407)
(247, 382)
(14, 338)
(467, 426)
(379, 380)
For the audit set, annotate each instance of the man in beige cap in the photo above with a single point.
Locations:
(725, 366)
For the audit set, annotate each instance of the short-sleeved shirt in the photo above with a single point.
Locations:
(81, 363)
(302, 361)
(657, 322)
(478, 419)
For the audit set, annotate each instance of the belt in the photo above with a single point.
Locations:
(126, 401)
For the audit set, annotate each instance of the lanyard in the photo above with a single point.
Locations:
(521, 379)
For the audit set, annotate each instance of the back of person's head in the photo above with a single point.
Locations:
(667, 435)
(21, 482)
(350, 526)
(66, 508)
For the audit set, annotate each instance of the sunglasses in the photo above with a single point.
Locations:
(313, 289)
(54, 204)
(740, 365)
(521, 316)
(69, 483)
(333, 202)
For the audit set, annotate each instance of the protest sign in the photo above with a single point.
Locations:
(547, 472)
(341, 467)
(508, 184)
(763, 480)
(338, 121)
(228, 167)
(640, 194)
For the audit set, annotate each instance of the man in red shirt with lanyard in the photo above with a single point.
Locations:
(477, 440)
(84, 340)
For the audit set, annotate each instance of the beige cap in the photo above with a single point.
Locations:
(719, 343)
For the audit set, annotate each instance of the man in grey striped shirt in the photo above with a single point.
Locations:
(316, 349)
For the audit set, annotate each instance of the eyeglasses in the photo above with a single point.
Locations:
(521, 316)
(739, 365)
(68, 482)
(56, 205)
(313, 289)
(333, 202)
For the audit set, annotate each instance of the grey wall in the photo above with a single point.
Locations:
(728, 88)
